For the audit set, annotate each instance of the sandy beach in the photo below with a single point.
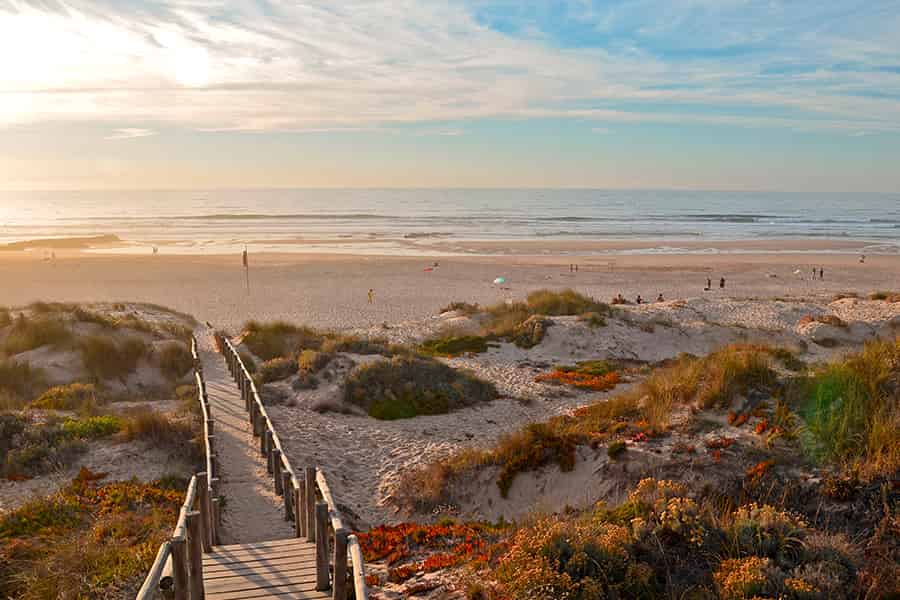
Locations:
(330, 290)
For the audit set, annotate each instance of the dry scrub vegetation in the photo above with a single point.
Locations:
(92, 538)
(402, 384)
(521, 323)
(769, 537)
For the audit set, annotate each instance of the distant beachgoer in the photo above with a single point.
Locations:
(371, 296)
(821, 273)
(708, 283)
(814, 272)
(722, 283)
(862, 258)
(660, 298)
(155, 250)
(576, 268)
(639, 300)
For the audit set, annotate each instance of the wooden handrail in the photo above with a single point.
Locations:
(181, 554)
(270, 445)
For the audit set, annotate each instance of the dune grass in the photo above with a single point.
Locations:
(886, 296)
(707, 382)
(851, 409)
(175, 360)
(404, 387)
(275, 369)
(161, 431)
(5, 317)
(19, 383)
(29, 333)
(104, 357)
(521, 323)
(279, 339)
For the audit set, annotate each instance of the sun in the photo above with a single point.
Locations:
(192, 67)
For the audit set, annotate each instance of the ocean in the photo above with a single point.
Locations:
(192, 221)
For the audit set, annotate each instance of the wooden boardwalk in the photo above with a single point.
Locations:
(278, 533)
(279, 569)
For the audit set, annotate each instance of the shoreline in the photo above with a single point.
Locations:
(441, 247)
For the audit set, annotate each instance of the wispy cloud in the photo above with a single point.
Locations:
(130, 133)
(321, 65)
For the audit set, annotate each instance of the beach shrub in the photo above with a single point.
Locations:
(886, 296)
(359, 345)
(34, 448)
(579, 559)
(746, 578)
(278, 339)
(466, 308)
(5, 317)
(19, 381)
(82, 397)
(106, 358)
(312, 361)
(29, 333)
(405, 387)
(90, 428)
(593, 320)
(248, 360)
(275, 370)
(565, 302)
(616, 448)
(161, 431)
(175, 360)
(450, 345)
(90, 540)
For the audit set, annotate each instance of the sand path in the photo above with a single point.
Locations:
(252, 512)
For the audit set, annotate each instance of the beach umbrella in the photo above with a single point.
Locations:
(500, 280)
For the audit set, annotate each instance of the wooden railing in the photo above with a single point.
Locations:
(308, 501)
(178, 569)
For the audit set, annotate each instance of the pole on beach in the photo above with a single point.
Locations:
(246, 269)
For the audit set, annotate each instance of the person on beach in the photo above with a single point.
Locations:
(722, 283)
(371, 296)
(660, 298)
(708, 284)
(821, 274)
(639, 300)
(862, 258)
(814, 272)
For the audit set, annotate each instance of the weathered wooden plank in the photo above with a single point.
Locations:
(274, 593)
(257, 558)
(268, 566)
(260, 545)
(255, 581)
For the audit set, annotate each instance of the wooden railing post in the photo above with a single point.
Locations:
(270, 447)
(195, 555)
(300, 510)
(310, 504)
(276, 470)
(215, 510)
(204, 505)
(339, 586)
(264, 443)
(288, 493)
(322, 582)
(179, 568)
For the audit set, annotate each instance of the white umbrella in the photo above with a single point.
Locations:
(500, 280)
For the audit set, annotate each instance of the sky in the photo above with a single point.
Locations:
(694, 94)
